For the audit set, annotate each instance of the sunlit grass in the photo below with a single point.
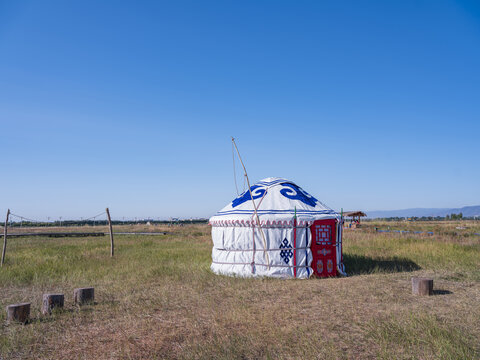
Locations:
(424, 337)
(426, 252)
(157, 298)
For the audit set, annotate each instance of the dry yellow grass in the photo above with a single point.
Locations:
(157, 299)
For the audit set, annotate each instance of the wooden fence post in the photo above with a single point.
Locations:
(5, 237)
(422, 286)
(18, 312)
(50, 301)
(111, 232)
(83, 296)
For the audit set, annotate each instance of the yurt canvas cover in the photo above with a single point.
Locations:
(280, 245)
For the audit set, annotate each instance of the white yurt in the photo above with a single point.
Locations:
(291, 234)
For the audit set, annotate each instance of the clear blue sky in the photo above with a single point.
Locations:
(366, 105)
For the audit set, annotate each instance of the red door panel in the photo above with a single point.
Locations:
(323, 247)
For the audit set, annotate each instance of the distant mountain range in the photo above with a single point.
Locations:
(467, 211)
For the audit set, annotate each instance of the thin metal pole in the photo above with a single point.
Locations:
(5, 237)
(254, 206)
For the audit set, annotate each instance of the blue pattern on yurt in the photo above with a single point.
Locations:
(257, 192)
(296, 193)
(287, 254)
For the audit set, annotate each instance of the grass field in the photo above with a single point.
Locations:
(158, 299)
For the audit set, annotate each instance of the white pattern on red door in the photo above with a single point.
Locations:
(323, 247)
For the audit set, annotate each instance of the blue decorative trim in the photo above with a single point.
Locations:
(280, 210)
(267, 213)
(257, 192)
(273, 212)
(296, 193)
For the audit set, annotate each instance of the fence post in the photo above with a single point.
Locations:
(5, 237)
(111, 232)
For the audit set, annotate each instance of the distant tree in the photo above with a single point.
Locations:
(447, 217)
(456, 216)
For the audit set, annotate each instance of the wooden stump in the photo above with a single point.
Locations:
(83, 295)
(51, 301)
(18, 312)
(422, 286)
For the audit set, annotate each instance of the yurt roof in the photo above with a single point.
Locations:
(277, 200)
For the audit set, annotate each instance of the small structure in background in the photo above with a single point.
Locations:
(355, 218)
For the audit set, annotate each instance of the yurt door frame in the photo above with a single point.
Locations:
(324, 247)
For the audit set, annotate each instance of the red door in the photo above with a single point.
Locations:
(323, 247)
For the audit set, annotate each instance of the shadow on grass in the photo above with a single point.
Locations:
(442, 292)
(359, 264)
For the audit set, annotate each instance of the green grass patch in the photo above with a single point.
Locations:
(369, 252)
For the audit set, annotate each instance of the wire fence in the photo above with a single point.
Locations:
(31, 227)
(34, 224)
(16, 220)
(405, 232)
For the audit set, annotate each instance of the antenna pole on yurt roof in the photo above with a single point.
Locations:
(254, 206)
